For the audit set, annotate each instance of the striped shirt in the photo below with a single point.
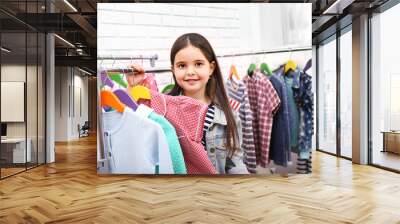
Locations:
(239, 101)
(207, 122)
(304, 165)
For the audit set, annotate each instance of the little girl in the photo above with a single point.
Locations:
(197, 75)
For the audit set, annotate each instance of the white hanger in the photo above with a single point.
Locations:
(113, 61)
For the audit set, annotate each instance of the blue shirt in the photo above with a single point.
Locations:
(280, 136)
(291, 81)
(305, 101)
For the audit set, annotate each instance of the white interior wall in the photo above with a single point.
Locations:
(80, 102)
(34, 124)
(69, 82)
(61, 103)
(12, 73)
(126, 30)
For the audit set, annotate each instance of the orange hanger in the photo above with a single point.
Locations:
(233, 72)
(111, 100)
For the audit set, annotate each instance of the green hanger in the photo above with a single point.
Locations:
(251, 69)
(168, 88)
(118, 78)
(264, 68)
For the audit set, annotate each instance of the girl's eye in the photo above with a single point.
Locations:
(198, 64)
(180, 66)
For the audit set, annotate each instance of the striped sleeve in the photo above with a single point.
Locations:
(246, 115)
(207, 122)
(239, 101)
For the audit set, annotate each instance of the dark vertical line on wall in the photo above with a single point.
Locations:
(37, 90)
(69, 100)
(317, 97)
(338, 98)
(26, 86)
(45, 88)
(59, 82)
(89, 102)
(73, 92)
(0, 92)
(369, 90)
(69, 92)
(45, 95)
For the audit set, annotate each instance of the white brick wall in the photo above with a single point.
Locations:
(131, 29)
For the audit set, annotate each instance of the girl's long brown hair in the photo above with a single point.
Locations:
(215, 89)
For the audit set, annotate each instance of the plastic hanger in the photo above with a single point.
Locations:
(264, 68)
(233, 72)
(140, 92)
(105, 80)
(251, 69)
(118, 78)
(308, 65)
(125, 98)
(168, 88)
(290, 65)
(109, 99)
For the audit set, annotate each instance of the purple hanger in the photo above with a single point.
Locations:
(308, 65)
(105, 80)
(124, 97)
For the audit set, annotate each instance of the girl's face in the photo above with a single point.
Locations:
(192, 71)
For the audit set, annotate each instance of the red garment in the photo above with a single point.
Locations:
(150, 82)
(264, 102)
(187, 116)
(235, 105)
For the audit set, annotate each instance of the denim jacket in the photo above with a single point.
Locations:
(215, 146)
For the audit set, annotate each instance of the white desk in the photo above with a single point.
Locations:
(19, 155)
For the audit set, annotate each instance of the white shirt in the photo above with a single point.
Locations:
(135, 143)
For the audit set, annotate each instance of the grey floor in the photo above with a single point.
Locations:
(387, 159)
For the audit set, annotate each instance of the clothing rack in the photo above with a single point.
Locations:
(127, 69)
(285, 50)
(102, 162)
(161, 70)
(155, 57)
(152, 57)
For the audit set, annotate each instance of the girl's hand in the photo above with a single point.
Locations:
(136, 76)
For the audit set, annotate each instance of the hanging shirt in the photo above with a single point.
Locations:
(132, 150)
(305, 102)
(175, 150)
(239, 101)
(292, 83)
(150, 82)
(264, 101)
(187, 115)
(304, 166)
(280, 136)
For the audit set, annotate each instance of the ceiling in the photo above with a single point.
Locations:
(78, 26)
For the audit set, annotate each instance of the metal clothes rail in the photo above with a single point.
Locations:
(161, 70)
